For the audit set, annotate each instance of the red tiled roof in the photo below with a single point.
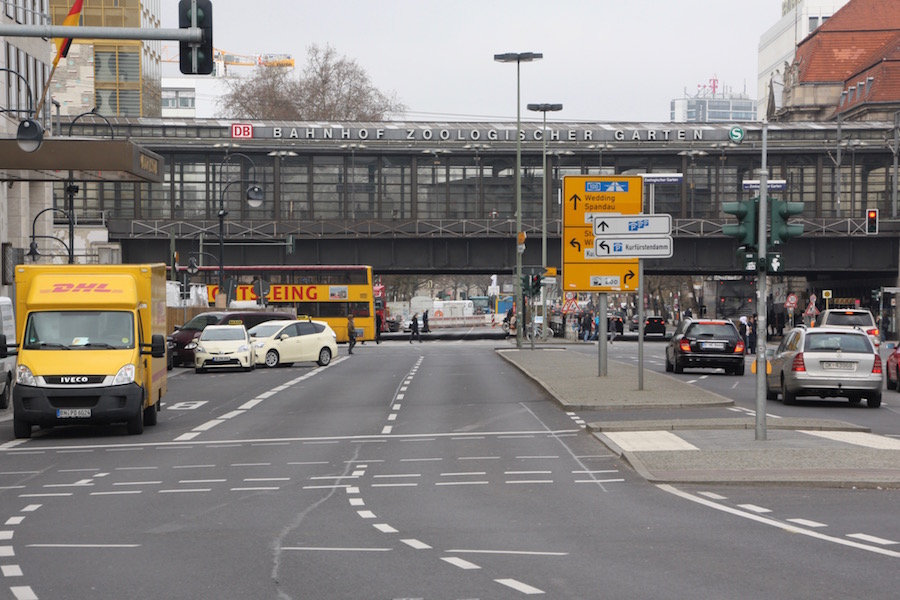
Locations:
(852, 40)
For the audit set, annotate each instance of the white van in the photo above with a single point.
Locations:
(8, 364)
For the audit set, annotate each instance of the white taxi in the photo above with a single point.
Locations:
(286, 342)
(221, 346)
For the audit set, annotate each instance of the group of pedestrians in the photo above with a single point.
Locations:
(589, 327)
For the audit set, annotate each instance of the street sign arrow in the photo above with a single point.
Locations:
(633, 224)
(602, 248)
(575, 200)
(575, 244)
(633, 247)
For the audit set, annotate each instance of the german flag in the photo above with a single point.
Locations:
(71, 20)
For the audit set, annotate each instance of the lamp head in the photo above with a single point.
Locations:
(33, 251)
(30, 135)
(255, 196)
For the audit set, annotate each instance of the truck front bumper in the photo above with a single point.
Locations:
(60, 406)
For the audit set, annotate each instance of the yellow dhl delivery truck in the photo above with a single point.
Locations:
(91, 345)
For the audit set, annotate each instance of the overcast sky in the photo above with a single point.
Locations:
(604, 60)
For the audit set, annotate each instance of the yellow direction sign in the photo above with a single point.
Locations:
(601, 276)
(586, 197)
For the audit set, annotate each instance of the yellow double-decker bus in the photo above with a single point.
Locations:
(325, 293)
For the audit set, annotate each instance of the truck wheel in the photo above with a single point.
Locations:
(150, 415)
(21, 429)
(135, 425)
(7, 393)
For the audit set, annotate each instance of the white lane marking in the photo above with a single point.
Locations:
(396, 407)
(772, 522)
(400, 475)
(458, 562)
(384, 528)
(514, 552)
(6, 535)
(84, 545)
(323, 487)
(63, 495)
(195, 481)
(583, 472)
(31, 508)
(357, 502)
(464, 474)
(11, 570)
(118, 493)
(712, 495)
(14, 521)
(392, 417)
(461, 483)
(262, 464)
(599, 480)
(386, 485)
(519, 586)
(420, 459)
(386, 429)
(254, 489)
(326, 549)
(649, 441)
(807, 523)
(754, 508)
(23, 592)
(527, 472)
(352, 490)
(871, 538)
(184, 437)
(185, 491)
(526, 457)
(413, 543)
(530, 481)
(366, 514)
(139, 482)
(6, 551)
(231, 414)
(259, 479)
(858, 438)
(478, 458)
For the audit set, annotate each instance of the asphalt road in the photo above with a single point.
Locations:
(429, 470)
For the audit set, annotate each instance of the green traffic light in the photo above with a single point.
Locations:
(745, 230)
(782, 211)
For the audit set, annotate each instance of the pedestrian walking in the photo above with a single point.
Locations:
(351, 332)
(751, 334)
(425, 328)
(742, 329)
(586, 323)
(379, 323)
(414, 329)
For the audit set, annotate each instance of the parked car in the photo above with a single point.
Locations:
(221, 346)
(284, 342)
(826, 362)
(892, 370)
(633, 323)
(183, 340)
(852, 318)
(706, 343)
(654, 325)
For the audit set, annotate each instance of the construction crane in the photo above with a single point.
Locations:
(223, 59)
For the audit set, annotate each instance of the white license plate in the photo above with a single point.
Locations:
(221, 358)
(712, 345)
(833, 365)
(73, 413)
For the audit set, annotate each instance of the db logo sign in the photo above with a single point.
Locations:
(241, 132)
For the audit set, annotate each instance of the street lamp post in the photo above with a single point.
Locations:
(254, 196)
(29, 134)
(519, 58)
(32, 248)
(544, 108)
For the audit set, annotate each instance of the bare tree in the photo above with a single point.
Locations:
(331, 87)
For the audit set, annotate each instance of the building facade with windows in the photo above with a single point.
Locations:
(122, 78)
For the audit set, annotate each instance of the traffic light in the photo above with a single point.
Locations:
(526, 285)
(203, 50)
(872, 221)
(782, 210)
(745, 231)
(535, 285)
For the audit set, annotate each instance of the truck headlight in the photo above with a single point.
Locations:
(125, 375)
(24, 375)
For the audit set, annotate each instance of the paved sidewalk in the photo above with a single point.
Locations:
(717, 449)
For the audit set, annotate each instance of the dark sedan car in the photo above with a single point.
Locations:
(710, 343)
(654, 325)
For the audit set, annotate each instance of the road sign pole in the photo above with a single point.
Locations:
(640, 323)
(761, 267)
(602, 322)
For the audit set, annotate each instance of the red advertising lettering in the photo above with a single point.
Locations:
(241, 131)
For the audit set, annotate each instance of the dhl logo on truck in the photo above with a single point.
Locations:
(63, 288)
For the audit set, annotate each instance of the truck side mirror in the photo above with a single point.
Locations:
(158, 346)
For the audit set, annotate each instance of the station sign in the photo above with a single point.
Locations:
(773, 185)
(659, 178)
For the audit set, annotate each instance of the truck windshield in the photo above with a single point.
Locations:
(79, 330)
